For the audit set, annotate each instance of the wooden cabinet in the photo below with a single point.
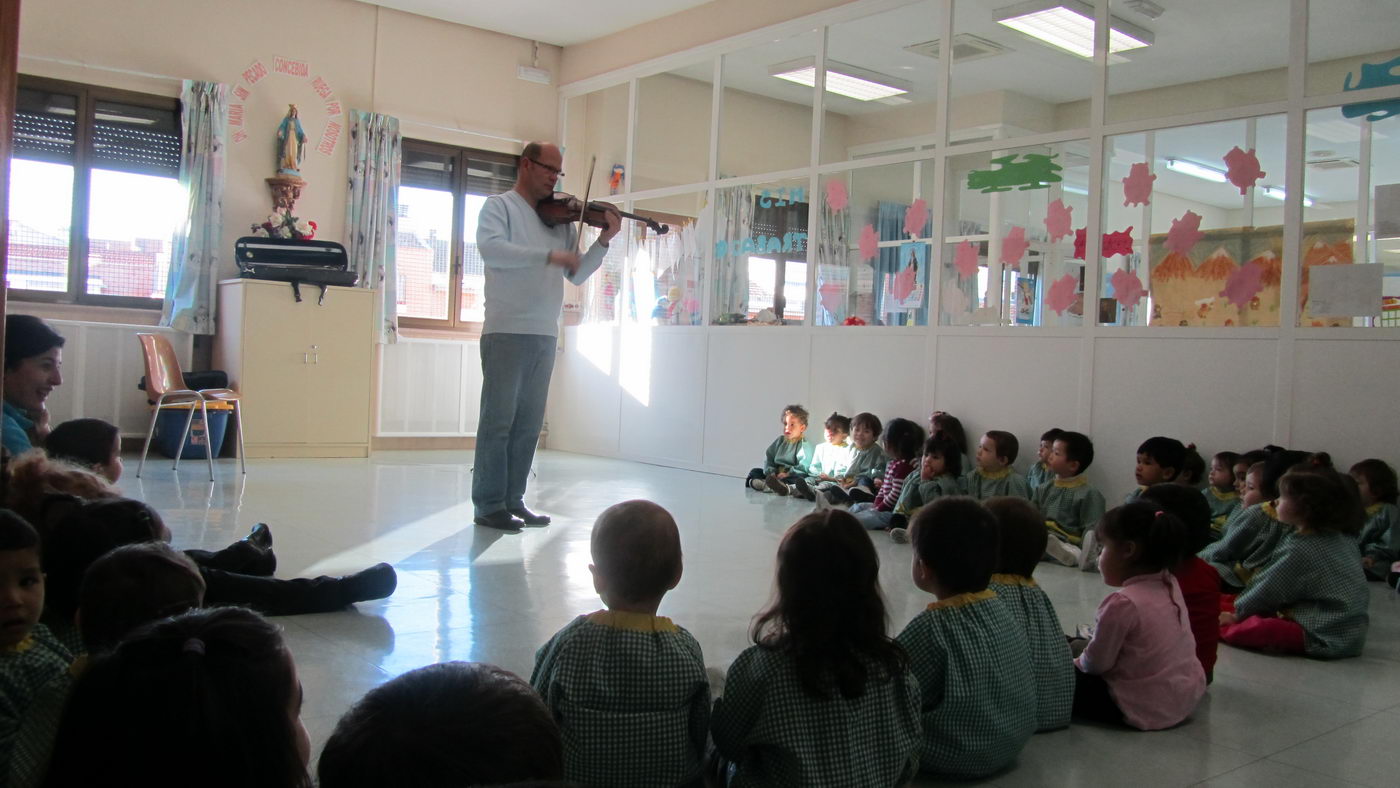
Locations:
(304, 368)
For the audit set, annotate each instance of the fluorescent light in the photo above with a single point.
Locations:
(1069, 25)
(1074, 189)
(1280, 195)
(841, 79)
(1196, 170)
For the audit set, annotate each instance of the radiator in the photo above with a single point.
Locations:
(102, 363)
(428, 388)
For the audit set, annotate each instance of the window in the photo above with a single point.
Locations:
(95, 198)
(441, 193)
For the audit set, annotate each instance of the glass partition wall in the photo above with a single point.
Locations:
(1004, 163)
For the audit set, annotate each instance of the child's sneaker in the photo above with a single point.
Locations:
(860, 495)
(801, 489)
(1089, 553)
(835, 495)
(1084, 631)
(899, 535)
(776, 485)
(1062, 553)
(758, 485)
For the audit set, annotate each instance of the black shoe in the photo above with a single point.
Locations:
(860, 495)
(528, 517)
(802, 489)
(261, 536)
(836, 495)
(377, 582)
(501, 521)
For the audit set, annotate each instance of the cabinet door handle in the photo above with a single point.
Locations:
(305, 358)
(315, 354)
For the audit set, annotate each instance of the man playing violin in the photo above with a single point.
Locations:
(527, 262)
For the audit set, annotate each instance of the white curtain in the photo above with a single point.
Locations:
(192, 287)
(371, 213)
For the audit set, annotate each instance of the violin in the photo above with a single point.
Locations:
(563, 208)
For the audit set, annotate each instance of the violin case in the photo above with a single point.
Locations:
(320, 263)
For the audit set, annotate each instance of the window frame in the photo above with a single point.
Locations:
(87, 97)
(453, 324)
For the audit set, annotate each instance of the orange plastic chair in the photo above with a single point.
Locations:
(166, 383)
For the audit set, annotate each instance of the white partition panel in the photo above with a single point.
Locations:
(102, 364)
(585, 394)
(429, 388)
(1344, 394)
(751, 374)
(854, 371)
(662, 407)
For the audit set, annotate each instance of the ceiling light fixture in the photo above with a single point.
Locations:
(841, 79)
(1280, 195)
(1069, 25)
(1196, 170)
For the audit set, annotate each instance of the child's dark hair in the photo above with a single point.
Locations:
(1380, 478)
(1006, 443)
(1051, 435)
(636, 547)
(903, 439)
(870, 420)
(1021, 528)
(952, 458)
(84, 442)
(948, 426)
(1193, 467)
(1326, 500)
(1078, 448)
(1278, 463)
(1189, 506)
(838, 423)
(453, 723)
(1166, 452)
(205, 696)
(16, 533)
(1228, 459)
(958, 540)
(86, 531)
(798, 411)
(1252, 456)
(26, 336)
(828, 612)
(134, 585)
(1162, 538)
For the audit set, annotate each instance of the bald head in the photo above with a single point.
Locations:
(538, 170)
(636, 550)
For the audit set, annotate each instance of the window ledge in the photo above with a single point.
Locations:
(85, 313)
(472, 334)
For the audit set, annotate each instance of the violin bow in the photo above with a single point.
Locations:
(583, 211)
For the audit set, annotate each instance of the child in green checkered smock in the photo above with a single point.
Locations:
(1040, 472)
(1311, 598)
(628, 687)
(1220, 492)
(1069, 503)
(993, 475)
(831, 461)
(967, 650)
(938, 477)
(825, 697)
(30, 657)
(788, 455)
(1380, 536)
(1022, 543)
(1249, 541)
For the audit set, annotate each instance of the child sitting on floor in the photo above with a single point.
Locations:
(1193, 468)
(1200, 585)
(88, 443)
(1022, 532)
(825, 697)
(938, 478)
(969, 655)
(1380, 537)
(831, 461)
(1242, 466)
(994, 475)
(627, 686)
(1159, 460)
(949, 428)
(1311, 598)
(1220, 493)
(1070, 504)
(1140, 667)
(1253, 533)
(30, 656)
(903, 438)
(868, 462)
(788, 455)
(1040, 473)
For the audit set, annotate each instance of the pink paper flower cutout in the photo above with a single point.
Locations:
(1244, 284)
(965, 259)
(1243, 168)
(1061, 295)
(903, 284)
(1137, 187)
(1057, 220)
(833, 297)
(1014, 246)
(869, 243)
(1184, 234)
(1081, 240)
(836, 195)
(1118, 242)
(1127, 287)
(915, 218)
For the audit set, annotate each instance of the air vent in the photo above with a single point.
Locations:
(1342, 163)
(965, 47)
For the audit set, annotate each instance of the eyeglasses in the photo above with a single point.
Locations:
(558, 173)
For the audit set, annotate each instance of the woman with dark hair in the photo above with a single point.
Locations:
(33, 358)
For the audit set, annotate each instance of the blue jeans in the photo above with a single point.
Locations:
(515, 371)
(869, 518)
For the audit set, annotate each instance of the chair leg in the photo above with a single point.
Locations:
(238, 417)
(208, 438)
(149, 434)
(184, 436)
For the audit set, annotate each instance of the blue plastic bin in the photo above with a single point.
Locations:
(172, 421)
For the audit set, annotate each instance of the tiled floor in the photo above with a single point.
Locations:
(468, 593)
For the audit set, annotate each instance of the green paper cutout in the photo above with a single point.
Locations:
(1035, 171)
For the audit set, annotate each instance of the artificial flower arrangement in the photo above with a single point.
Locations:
(285, 225)
(853, 320)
